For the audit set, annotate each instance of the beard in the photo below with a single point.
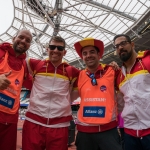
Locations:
(17, 49)
(126, 56)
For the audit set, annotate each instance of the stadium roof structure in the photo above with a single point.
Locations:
(77, 19)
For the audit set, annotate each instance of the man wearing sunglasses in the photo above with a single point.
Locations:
(97, 115)
(49, 112)
(133, 82)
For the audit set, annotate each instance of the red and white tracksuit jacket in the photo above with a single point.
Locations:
(50, 97)
(135, 88)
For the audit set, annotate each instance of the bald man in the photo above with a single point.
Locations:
(11, 78)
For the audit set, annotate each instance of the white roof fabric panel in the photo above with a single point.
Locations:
(73, 20)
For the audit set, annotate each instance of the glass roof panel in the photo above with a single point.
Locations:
(71, 19)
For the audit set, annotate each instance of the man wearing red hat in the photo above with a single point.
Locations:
(97, 115)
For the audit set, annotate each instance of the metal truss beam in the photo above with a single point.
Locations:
(32, 15)
(106, 8)
(88, 23)
(34, 28)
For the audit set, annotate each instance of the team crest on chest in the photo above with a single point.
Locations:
(103, 88)
(17, 82)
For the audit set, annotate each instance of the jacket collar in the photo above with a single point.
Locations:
(9, 47)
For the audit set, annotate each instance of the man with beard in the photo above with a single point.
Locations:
(97, 115)
(49, 112)
(12, 72)
(134, 84)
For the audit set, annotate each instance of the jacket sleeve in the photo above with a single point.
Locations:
(29, 66)
(28, 82)
(2, 53)
(74, 93)
(146, 60)
(28, 79)
(120, 101)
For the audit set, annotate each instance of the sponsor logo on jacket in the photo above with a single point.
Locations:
(100, 99)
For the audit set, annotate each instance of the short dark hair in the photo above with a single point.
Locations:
(58, 39)
(126, 36)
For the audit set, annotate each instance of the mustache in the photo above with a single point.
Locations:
(123, 51)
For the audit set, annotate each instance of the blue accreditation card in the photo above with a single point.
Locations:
(6, 101)
(94, 111)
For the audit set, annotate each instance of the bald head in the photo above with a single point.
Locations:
(25, 30)
(22, 41)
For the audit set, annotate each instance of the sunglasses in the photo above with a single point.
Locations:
(52, 47)
(93, 79)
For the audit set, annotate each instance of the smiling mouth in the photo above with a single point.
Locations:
(21, 46)
(89, 61)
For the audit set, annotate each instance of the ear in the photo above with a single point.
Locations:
(133, 45)
(65, 52)
(47, 49)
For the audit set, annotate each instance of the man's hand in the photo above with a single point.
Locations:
(114, 65)
(4, 82)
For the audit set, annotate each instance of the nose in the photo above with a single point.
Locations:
(55, 49)
(122, 44)
(23, 40)
(120, 47)
(120, 50)
(88, 55)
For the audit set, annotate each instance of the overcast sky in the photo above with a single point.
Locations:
(6, 15)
